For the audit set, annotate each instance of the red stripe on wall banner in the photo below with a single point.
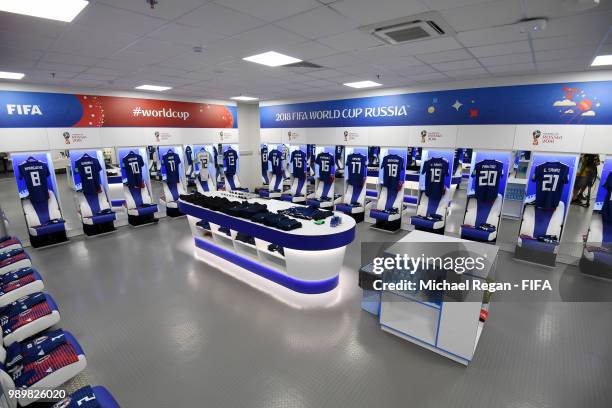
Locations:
(111, 111)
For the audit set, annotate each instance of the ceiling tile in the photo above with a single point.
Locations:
(317, 23)
(140, 58)
(95, 77)
(419, 47)
(7, 53)
(483, 15)
(63, 58)
(512, 68)
(31, 26)
(181, 34)
(596, 22)
(52, 66)
(46, 75)
(118, 64)
(106, 71)
(468, 73)
(454, 65)
(434, 76)
(16, 40)
(421, 69)
(270, 10)
(585, 53)
(567, 65)
(325, 73)
(155, 48)
(16, 64)
(501, 49)
(566, 41)
(308, 50)
(448, 4)
(318, 83)
(487, 36)
(507, 59)
(350, 41)
(452, 55)
(168, 10)
(398, 62)
(218, 19)
(369, 12)
(98, 16)
(81, 41)
(337, 60)
(199, 75)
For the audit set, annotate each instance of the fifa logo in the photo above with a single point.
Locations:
(423, 136)
(157, 137)
(66, 137)
(346, 135)
(221, 135)
(536, 136)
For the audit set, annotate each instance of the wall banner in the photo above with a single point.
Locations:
(561, 103)
(38, 109)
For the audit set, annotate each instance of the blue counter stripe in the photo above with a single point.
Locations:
(308, 287)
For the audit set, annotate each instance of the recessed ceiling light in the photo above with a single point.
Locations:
(11, 75)
(153, 88)
(602, 60)
(362, 84)
(61, 10)
(244, 98)
(272, 59)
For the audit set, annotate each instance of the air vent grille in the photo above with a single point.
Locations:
(408, 34)
(407, 29)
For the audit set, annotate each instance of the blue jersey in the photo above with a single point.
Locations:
(133, 165)
(435, 171)
(298, 163)
(230, 160)
(171, 162)
(357, 169)
(310, 153)
(189, 155)
(373, 156)
(457, 159)
(339, 152)
(276, 161)
(550, 177)
(325, 161)
(88, 169)
(486, 176)
(35, 174)
(606, 208)
(263, 154)
(393, 171)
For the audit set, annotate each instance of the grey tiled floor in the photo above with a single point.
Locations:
(162, 329)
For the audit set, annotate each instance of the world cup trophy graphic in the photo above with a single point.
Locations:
(536, 136)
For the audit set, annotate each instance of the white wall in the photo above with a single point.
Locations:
(29, 139)
(248, 125)
(554, 138)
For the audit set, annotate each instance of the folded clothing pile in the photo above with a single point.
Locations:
(277, 221)
(307, 213)
(256, 212)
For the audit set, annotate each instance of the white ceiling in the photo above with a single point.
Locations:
(119, 44)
